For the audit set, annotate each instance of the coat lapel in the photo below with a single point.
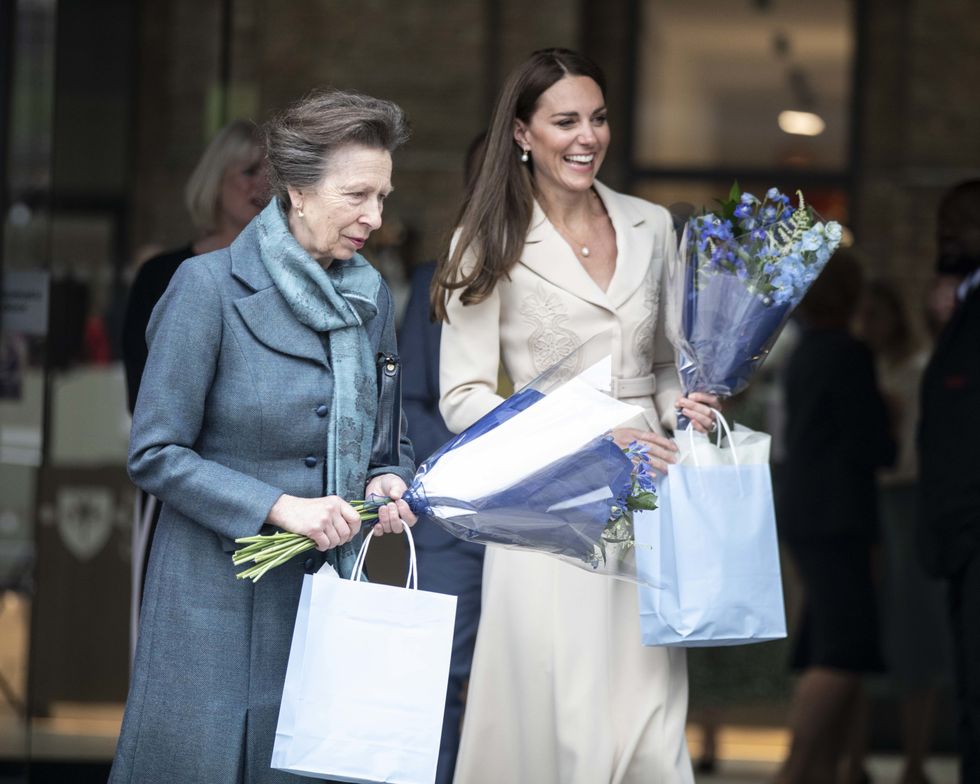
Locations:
(634, 246)
(547, 254)
(265, 311)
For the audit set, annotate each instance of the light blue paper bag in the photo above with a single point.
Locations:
(708, 556)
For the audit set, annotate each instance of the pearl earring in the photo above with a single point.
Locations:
(299, 211)
(524, 156)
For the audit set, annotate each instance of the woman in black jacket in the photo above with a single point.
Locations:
(837, 436)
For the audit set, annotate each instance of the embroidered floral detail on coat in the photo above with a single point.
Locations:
(643, 337)
(550, 340)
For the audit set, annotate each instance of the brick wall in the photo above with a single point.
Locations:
(433, 58)
(919, 122)
(920, 130)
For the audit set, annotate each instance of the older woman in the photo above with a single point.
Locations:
(257, 411)
(561, 691)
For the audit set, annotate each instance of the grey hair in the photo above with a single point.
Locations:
(235, 143)
(300, 140)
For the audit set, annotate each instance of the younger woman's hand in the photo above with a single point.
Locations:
(392, 515)
(699, 407)
(662, 450)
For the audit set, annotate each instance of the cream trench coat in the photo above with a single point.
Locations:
(562, 691)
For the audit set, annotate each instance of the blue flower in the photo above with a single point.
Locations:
(774, 254)
(644, 481)
(833, 232)
(812, 239)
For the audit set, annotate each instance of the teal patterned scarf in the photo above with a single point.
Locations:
(336, 301)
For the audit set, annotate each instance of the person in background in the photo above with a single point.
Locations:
(225, 191)
(545, 257)
(446, 564)
(257, 412)
(837, 436)
(915, 631)
(949, 481)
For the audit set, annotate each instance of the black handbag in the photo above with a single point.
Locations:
(386, 448)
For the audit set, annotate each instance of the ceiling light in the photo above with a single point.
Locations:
(801, 123)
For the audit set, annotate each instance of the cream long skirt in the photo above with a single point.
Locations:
(562, 691)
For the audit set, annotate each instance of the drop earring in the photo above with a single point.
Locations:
(524, 156)
(299, 211)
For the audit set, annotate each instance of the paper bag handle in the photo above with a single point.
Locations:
(731, 446)
(413, 567)
(728, 432)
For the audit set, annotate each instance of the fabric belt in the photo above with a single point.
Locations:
(642, 386)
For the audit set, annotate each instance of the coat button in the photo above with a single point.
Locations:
(308, 566)
(310, 461)
(321, 410)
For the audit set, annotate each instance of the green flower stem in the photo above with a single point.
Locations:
(256, 572)
(267, 551)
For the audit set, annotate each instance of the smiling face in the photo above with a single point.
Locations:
(332, 219)
(243, 189)
(567, 136)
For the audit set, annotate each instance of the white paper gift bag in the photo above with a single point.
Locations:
(709, 554)
(366, 681)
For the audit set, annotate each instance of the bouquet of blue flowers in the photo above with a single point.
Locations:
(539, 472)
(740, 272)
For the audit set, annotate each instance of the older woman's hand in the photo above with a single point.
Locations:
(699, 408)
(329, 521)
(662, 450)
(391, 515)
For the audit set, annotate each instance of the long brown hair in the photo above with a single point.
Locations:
(496, 211)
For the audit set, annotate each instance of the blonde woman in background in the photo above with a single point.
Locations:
(225, 191)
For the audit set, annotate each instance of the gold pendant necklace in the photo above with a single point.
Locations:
(583, 250)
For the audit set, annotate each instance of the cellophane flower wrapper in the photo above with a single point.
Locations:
(735, 282)
(540, 472)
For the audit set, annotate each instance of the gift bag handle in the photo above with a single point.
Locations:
(413, 567)
(728, 432)
(731, 445)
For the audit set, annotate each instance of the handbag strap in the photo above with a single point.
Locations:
(385, 446)
(413, 568)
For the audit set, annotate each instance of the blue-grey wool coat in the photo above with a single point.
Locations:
(232, 412)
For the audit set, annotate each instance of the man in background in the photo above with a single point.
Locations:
(949, 431)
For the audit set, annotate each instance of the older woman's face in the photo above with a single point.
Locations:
(567, 135)
(333, 219)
